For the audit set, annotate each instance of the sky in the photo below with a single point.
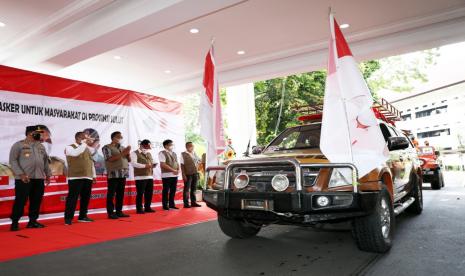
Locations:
(449, 68)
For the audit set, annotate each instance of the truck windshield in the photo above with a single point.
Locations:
(302, 137)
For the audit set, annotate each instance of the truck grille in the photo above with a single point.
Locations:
(260, 177)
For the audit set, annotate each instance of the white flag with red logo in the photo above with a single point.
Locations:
(350, 132)
(211, 120)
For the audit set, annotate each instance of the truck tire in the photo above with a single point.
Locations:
(374, 232)
(436, 184)
(417, 193)
(237, 229)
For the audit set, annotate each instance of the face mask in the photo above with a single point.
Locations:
(144, 151)
(170, 148)
(36, 136)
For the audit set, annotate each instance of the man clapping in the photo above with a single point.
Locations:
(116, 162)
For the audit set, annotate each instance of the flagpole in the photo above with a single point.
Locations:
(336, 61)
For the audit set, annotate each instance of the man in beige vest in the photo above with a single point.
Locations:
(81, 175)
(116, 162)
(143, 164)
(189, 166)
(169, 174)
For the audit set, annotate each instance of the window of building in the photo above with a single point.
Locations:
(425, 105)
(406, 117)
(433, 133)
(431, 111)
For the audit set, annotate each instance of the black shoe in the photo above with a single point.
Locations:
(122, 215)
(85, 219)
(196, 205)
(166, 208)
(14, 226)
(68, 222)
(34, 224)
(149, 210)
(113, 216)
(187, 206)
(174, 207)
(140, 212)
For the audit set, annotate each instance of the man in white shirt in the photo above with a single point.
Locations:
(169, 174)
(143, 164)
(81, 175)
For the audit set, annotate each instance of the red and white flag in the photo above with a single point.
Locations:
(211, 119)
(350, 132)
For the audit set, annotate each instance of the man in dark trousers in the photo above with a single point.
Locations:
(30, 164)
(169, 174)
(143, 164)
(116, 162)
(81, 175)
(189, 167)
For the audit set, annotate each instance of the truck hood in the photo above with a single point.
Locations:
(302, 155)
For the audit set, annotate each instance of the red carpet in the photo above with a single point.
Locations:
(57, 236)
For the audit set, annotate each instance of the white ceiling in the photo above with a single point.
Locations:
(79, 39)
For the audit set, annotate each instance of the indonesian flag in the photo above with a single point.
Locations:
(350, 132)
(211, 120)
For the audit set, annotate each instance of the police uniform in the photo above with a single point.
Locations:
(29, 158)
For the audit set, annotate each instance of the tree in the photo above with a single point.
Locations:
(397, 73)
(300, 90)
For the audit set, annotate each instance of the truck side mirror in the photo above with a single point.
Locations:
(437, 153)
(397, 143)
(257, 150)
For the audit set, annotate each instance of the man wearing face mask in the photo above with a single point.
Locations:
(169, 174)
(189, 166)
(81, 175)
(116, 162)
(29, 162)
(143, 164)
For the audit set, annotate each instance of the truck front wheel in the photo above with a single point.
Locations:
(374, 232)
(237, 229)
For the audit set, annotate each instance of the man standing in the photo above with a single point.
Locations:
(142, 162)
(169, 174)
(189, 167)
(30, 164)
(116, 162)
(81, 175)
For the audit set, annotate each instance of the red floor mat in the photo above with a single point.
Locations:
(57, 236)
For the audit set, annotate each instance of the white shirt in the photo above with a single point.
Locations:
(139, 166)
(161, 158)
(74, 152)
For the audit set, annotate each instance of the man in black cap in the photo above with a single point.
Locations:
(30, 164)
(143, 164)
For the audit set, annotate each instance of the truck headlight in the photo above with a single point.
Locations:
(241, 181)
(340, 177)
(280, 182)
(422, 162)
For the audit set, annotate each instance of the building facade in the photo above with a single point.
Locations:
(437, 116)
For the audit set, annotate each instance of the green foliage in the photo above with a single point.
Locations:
(191, 111)
(402, 73)
(300, 90)
(397, 73)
